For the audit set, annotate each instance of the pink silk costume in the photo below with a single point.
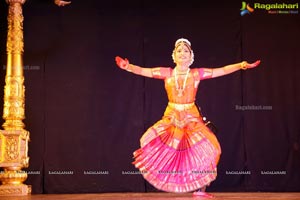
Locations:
(179, 153)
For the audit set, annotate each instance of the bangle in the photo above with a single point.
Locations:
(129, 68)
(243, 65)
(134, 69)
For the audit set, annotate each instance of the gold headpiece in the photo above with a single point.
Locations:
(182, 40)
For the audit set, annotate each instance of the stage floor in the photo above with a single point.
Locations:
(159, 196)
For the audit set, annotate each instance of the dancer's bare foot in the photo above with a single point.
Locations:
(61, 3)
(202, 194)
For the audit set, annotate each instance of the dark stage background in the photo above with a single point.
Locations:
(86, 115)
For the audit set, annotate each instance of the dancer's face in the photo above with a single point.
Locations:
(182, 54)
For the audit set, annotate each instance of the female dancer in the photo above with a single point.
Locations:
(179, 153)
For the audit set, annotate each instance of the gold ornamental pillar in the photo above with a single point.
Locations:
(14, 138)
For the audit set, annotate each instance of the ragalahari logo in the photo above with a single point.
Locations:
(246, 9)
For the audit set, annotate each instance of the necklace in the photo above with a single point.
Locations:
(181, 89)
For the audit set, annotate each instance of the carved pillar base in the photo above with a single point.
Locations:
(15, 190)
(13, 157)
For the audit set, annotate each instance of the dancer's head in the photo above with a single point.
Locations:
(183, 52)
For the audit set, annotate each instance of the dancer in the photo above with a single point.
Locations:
(179, 153)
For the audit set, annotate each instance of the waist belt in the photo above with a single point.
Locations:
(181, 106)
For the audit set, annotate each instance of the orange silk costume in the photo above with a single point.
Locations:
(179, 153)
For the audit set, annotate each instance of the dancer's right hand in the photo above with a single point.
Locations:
(61, 3)
(122, 63)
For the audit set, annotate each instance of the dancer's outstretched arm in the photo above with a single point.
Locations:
(216, 72)
(124, 64)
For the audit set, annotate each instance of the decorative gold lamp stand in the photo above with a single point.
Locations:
(14, 138)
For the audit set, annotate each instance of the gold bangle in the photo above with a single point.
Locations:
(129, 68)
(243, 65)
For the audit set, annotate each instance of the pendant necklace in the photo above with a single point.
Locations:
(181, 89)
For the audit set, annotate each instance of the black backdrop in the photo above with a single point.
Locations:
(86, 115)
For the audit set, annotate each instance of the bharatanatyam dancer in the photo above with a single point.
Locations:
(179, 153)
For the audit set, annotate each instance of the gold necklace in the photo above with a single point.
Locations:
(180, 90)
